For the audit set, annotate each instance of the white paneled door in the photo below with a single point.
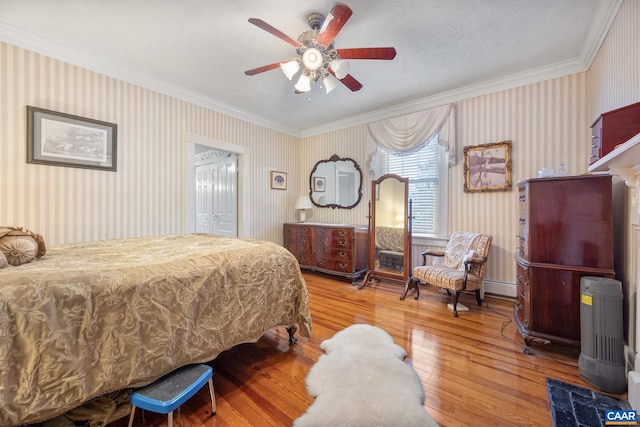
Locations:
(216, 196)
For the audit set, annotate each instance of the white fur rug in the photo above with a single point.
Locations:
(363, 381)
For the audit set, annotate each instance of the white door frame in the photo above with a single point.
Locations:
(244, 178)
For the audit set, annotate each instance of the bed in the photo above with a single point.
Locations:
(90, 318)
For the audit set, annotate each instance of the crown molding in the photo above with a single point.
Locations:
(535, 75)
(606, 13)
(50, 48)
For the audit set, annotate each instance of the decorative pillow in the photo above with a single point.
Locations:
(19, 245)
(19, 249)
(468, 255)
(3, 260)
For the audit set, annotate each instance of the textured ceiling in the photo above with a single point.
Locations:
(199, 49)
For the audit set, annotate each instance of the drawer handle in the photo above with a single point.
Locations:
(342, 233)
(522, 221)
(342, 243)
(342, 254)
(522, 198)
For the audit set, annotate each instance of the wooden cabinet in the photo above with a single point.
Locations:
(334, 249)
(613, 128)
(565, 233)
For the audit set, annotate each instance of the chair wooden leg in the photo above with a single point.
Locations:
(411, 283)
(455, 304)
(478, 297)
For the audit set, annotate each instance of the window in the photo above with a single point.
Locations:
(427, 171)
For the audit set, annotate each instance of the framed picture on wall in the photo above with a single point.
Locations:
(60, 139)
(487, 167)
(278, 180)
(319, 184)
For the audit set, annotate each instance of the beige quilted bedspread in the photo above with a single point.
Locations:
(90, 318)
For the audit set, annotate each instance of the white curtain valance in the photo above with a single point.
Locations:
(408, 132)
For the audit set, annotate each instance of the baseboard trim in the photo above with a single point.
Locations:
(501, 288)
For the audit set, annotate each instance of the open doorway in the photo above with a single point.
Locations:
(195, 143)
(216, 195)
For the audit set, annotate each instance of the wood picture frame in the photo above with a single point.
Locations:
(60, 139)
(487, 167)
(278, 180)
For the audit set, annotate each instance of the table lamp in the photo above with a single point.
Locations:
(302, 204)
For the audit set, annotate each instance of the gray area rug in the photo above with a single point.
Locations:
(572, 405)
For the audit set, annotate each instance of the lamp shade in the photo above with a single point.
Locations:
(290, 68)
(304, 84)
(340, 68)
(312, 59)
(329, 82)
(303, 202)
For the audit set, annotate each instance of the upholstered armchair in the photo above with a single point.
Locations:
(462, 268)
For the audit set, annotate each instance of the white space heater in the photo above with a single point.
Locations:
(601, 361)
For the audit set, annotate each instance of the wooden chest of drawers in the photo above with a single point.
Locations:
(334, 249)
(565, 233)
(613, 128)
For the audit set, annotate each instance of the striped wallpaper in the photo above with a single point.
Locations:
(146, 195)
(614, 81)
(548, 123)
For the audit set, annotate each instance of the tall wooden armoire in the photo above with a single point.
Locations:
(566, 232)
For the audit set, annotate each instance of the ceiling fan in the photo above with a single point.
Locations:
(317, 54)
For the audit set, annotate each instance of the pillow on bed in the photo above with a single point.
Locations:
(19, 249)
(20, 246)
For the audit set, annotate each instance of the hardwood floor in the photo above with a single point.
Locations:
(472, 367)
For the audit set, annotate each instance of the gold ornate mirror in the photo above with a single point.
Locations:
(389, 229)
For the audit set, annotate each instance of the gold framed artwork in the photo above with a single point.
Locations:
(487, 167)
(60, 139)
(278, 180)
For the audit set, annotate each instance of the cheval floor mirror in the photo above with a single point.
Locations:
(389, 230)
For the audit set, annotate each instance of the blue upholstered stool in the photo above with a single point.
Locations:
(172, 390)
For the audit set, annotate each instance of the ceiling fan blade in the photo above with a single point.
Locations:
(333, 23)
(262, 69)
(272, 30)
(349, 81)
(367, 53)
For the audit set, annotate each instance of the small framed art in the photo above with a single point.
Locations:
(487, 167)
(61, 139)
(278, 180)
(319, 184)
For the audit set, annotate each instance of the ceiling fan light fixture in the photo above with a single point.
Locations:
(312, 58)
(304, 83)
(340, 68)
(290, 68)
(329, 83)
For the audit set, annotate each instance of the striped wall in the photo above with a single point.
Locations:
(146, 195)
(548, 125)
(614, 81)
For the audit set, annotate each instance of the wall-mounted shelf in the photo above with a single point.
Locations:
(623, 161)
